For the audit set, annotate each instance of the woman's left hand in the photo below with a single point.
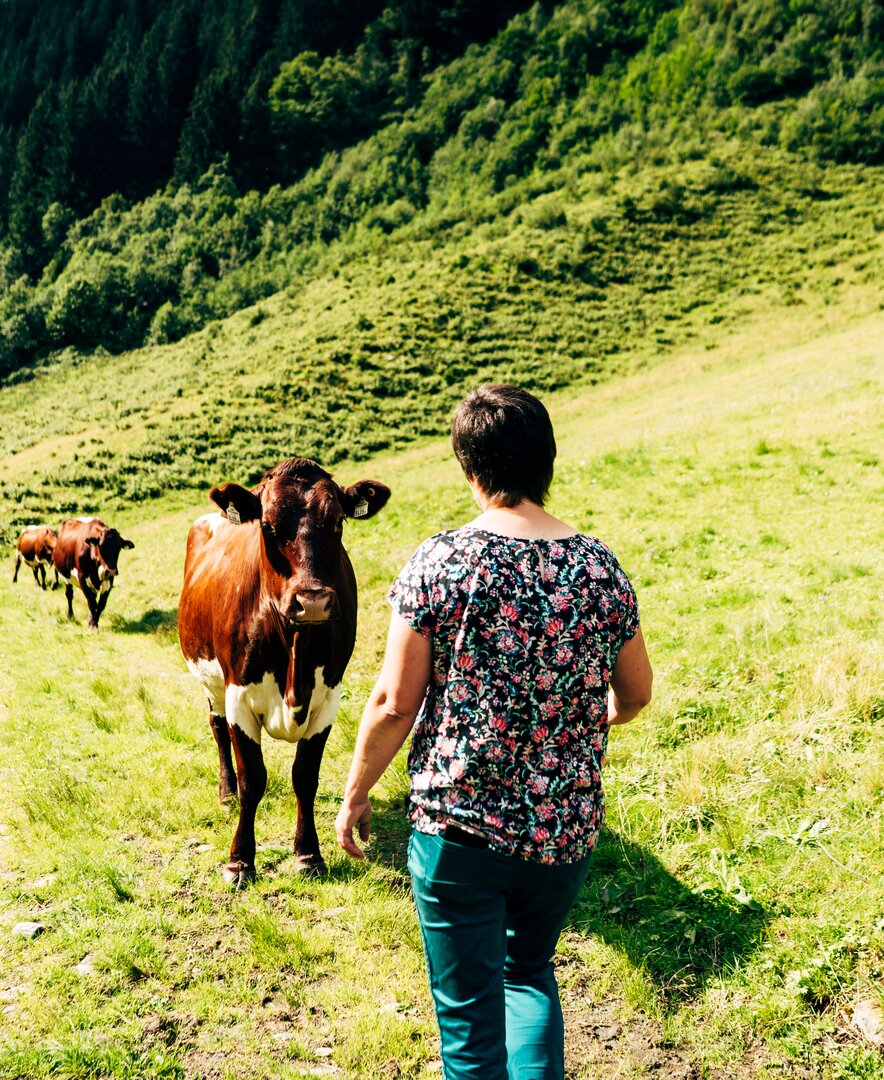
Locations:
(349, 816)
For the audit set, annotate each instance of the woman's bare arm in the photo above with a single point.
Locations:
(631, 681)
(388, 717)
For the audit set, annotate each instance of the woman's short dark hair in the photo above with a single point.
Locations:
(503, 438)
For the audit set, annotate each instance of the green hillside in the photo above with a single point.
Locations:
(581, 271)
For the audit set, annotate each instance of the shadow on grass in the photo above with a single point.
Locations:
(681, 937)
(152, 621)
(388, 846)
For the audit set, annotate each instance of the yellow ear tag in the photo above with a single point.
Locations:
(233, 515)
(361, 509)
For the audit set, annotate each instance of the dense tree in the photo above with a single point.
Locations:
(102, 96)
(166, 163)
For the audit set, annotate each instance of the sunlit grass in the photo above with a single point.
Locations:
(734, 909)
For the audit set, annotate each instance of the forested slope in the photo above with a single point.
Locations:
(563, 90)
(99, 98)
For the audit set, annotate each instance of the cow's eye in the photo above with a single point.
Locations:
(267, 529)
(339, 524)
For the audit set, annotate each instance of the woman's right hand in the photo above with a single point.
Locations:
(350, 815)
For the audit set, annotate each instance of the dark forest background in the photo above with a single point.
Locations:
(166, 162)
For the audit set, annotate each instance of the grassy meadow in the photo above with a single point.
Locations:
(735, 914)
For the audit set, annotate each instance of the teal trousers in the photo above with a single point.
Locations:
(490, 924)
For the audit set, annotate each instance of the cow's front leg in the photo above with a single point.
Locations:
(100, 605)
(305, 781)
(69, 596)
(42, 581)
(227, 777)
(17, 565)
(36, 571)
(92, 601)
(251, 777)
(55, 583)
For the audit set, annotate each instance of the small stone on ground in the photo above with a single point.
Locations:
(28, 929)
(869, 1018)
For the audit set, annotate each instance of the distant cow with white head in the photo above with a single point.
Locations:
(35, 547)
(87, 552)
(267, 624)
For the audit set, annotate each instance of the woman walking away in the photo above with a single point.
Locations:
(515, 644)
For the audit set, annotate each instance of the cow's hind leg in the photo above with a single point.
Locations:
(227, 777)
(305, 781)
(69, 596)
(17, 565)
(251, 775)
(42, 581)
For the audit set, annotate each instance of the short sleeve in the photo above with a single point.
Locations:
(410, 594)
(623, 590)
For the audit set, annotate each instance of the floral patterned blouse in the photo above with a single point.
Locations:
(510, 737)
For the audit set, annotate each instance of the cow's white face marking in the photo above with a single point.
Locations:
(212, 521)
(209, 675)
(261, 706)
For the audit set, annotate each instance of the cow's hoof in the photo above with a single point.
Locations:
(238, 876)
(91, 626)
(225, 797)
(310, 866)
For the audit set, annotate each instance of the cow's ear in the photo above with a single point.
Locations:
(126, 543)
(237, 502)
(363, 500)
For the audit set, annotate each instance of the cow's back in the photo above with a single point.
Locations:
(36, 542)
(27, 544)
(70, 545)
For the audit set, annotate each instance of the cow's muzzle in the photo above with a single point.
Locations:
(313, 606)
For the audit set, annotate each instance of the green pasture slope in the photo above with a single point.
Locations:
(735, 914)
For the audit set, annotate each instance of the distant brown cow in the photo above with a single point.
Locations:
(267, 623)
(87, 551)
(35, 546)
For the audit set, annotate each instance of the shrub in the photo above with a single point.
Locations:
(842, 120)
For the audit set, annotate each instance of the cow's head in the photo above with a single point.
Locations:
(301, 511)
(106, 545)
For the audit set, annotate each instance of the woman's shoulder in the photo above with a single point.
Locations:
(453, 545)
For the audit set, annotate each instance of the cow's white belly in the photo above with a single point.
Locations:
(70, 578)
(209, 675)
(260, 706)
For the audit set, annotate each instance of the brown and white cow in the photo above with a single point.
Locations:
(35, 546)
(267, 624)
(87, 551)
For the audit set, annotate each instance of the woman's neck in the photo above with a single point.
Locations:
(525, 521)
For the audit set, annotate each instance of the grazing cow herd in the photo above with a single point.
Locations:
(266, 622)
(84, 550)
